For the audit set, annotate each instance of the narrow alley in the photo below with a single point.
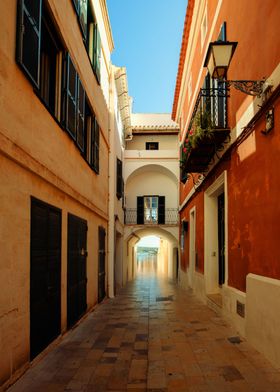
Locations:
(154, 336)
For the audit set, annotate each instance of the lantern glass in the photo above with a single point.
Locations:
(219, 57)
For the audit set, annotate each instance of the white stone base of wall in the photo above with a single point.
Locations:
(263, 316)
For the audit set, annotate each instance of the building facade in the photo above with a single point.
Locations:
(230, 142)
(151, 177)
(54, 153)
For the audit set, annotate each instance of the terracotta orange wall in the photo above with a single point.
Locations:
(258, 50)
(257, 62)
(254, 208)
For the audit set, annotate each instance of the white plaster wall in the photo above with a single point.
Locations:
(166, 142)
(152, 183)
(167, 166)
(262, 315)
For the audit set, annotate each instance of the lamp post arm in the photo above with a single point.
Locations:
(250, 87)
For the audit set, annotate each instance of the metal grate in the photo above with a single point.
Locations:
(240, 309)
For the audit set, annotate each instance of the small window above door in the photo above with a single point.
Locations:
(151, 145)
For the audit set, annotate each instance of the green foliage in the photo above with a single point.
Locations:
(202, 128)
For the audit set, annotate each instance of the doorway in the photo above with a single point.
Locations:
(76, 269)
(45, 275)
(192, 254)
(221, 237)
(101, 264)
(215, 235)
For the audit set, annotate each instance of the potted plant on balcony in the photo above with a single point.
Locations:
(201, 131)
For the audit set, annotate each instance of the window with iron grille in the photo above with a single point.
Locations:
(119, 192)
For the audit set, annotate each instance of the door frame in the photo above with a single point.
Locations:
(211, 248)
(192, 246)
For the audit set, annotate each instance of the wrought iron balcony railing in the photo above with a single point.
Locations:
(171, 217)
(207, 131)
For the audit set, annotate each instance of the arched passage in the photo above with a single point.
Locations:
(168, 253)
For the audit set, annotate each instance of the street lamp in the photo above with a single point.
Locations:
(217, 61)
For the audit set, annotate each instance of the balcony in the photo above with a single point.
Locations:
(207, 132)
(151, 217)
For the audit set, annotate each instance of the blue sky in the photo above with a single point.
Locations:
(147, 36)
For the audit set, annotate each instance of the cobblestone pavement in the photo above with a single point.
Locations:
(153, 337)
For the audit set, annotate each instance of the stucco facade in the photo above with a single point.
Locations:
(44, 166)
(237, 195)
(151, 174)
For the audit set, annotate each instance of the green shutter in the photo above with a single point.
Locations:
(81, 116)
(97, 53)
(71, 98)
(28, 38)
(95, 145)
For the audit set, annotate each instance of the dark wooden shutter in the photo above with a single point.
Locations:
(28, 37)
(119, 179)
(140, 210)
(95, 145)
(71, 98)
(161, 210)
(97, 53)
(81, 116)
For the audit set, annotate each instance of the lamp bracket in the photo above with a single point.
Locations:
(250, 87)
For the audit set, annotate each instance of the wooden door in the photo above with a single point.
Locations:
(76, 269)
(45, 276)
(101, 264)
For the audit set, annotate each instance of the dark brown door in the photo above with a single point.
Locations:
(101, 264)
(221, 237)
(76, 269)
(45, 273)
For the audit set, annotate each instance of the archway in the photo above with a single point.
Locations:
(168, 252)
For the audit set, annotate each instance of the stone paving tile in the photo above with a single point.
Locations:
(153, 337)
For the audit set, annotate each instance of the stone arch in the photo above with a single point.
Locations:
(151, 168)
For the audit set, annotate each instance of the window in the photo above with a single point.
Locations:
(119, 179)
(81, 7)
(150, 209)
(91, 139)
(94, 45)
(204, 27)
(74, 105)
(39, 52)
(151, 145)
(28, 34)
(50, 65)
(90, 32)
